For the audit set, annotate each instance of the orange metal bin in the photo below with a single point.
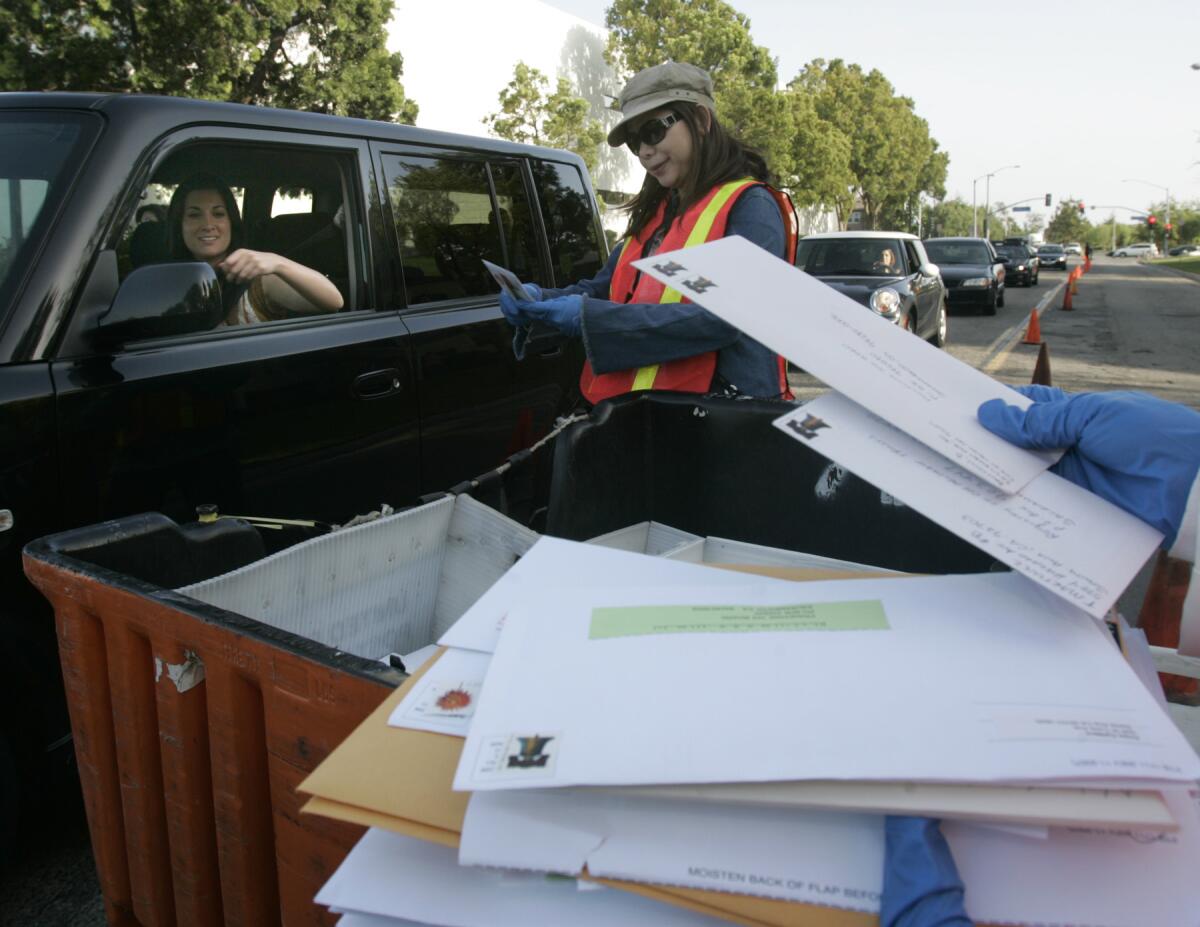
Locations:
(189, 788)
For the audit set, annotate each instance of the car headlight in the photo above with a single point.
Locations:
(977, 281)
(1020, 267)
(885, 301)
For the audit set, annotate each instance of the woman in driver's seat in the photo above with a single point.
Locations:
(886, 263)
(259, 286)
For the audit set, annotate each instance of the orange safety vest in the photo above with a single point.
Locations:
(703, 221)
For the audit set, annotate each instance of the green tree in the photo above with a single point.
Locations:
(1067, 223)
(820, 159)
(712, 35)
(949, 218)
(560, 120)
(893, 158)
(321, 55)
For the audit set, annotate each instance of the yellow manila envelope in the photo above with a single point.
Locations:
(399, 780)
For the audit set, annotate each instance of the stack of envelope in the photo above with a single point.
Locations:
(721, 747)
(715, 745)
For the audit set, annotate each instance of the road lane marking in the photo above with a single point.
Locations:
(998, 350)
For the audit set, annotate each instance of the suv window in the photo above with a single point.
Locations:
(40, 154)
(570, 224)
(291, 202)
(447, 223)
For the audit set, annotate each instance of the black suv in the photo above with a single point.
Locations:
(121, 393)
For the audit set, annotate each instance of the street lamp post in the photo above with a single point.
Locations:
(987, 197)
(1166, 232)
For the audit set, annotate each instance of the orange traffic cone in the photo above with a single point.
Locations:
(1041, 369)
(1033, 334)
(1066, 304)
(1073, 284)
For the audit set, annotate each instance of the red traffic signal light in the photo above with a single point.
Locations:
(1151, 220)
(1081, 208)
(1168, 226)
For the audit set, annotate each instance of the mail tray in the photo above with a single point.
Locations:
(718, 467)
(196, 714)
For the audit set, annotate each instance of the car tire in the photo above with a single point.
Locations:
(1000, 297)
(938, 338)
(989, 307)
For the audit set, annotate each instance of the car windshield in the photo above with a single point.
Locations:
(1012, 251)
(850, 257)
(958, 252)
(1050, 249)
(40, 153)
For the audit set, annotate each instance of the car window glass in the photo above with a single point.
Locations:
(914, 258)
(288, 202)
(570, 223)
(446, 226)
(958, 252)
(39, 156)
(517, 227)
(849, 257)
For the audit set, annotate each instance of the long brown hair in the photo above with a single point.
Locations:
(718, 157)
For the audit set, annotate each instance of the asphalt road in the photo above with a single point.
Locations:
(1133, 326)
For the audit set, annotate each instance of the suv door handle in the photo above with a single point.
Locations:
(378, 383)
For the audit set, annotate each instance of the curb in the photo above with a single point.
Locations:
(1176, 271)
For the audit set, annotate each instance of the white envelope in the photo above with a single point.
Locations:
(394, 876)
(1113, 878)
(554, 562)
(1069, 540)
(925, 392)
(984, 678)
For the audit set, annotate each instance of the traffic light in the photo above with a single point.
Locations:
(1081, 208)
(1151, 221)
(1047, 199)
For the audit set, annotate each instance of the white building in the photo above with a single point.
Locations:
(459, 55)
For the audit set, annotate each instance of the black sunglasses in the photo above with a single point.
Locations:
(651, 132)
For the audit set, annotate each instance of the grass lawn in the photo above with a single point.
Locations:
(1190, 264)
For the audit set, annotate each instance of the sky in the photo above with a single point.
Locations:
(1083, 96)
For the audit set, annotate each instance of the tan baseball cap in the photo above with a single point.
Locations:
(655, 87)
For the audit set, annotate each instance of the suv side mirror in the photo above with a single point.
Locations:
(160, 300)
(931, 270)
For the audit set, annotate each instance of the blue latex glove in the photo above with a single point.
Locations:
(1135, 450)
(563, 312)
(921, 887)
(509, 306)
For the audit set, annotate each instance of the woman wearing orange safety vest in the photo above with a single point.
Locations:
(701, 184)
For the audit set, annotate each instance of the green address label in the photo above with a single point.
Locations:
(634, 620)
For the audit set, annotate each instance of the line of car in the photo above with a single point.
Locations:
(915, 283)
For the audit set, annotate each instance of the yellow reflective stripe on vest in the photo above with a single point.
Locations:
(644, 378)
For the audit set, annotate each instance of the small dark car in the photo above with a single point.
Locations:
(888, 272)
(972, 271)
(1021, 264)
(1052, 256)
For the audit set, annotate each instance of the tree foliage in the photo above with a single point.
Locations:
(712, 35)
(558, 120)
(949, 218)
(322, 55)
(893, 158)
(1067, 223)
